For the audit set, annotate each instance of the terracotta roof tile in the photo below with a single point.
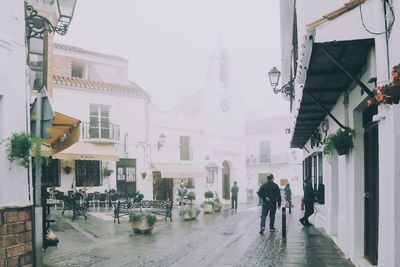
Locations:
(84, 51)
(336, 13)
(131, 89)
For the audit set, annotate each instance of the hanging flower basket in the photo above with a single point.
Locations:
(341, 141)
(342, 150)
(388, 94)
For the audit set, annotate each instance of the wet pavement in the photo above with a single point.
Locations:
(221, 239)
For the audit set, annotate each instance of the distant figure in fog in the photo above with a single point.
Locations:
(234, 197)
(271, 196)
(181, 194)
(288, 194)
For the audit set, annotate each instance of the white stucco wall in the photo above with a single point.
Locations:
(126, 111)
(285, 162)
(343, 214)
(13, 99)
(216, 136)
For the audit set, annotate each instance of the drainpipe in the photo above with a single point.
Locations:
(381, 46)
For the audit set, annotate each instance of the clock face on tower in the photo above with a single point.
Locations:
(225, 106)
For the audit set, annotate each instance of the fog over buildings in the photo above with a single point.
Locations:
(168, 44)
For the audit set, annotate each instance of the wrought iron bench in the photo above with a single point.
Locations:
(77, 209)
(160, 207)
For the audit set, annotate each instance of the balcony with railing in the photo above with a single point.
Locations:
(100, 132)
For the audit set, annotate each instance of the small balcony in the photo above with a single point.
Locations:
(100, 132)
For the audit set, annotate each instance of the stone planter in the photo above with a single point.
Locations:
(189, 213)
(189, 217)
(208, 208)
(141, 227)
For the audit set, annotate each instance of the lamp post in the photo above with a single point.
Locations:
(36, 25)
(161, 141)
(288, 89)
(274, 74)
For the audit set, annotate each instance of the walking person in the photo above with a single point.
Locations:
(271, 196)
(234, 197)
(181, 194)
(309, 199)
(288, 194)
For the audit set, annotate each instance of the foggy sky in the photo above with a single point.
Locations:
(168, 43)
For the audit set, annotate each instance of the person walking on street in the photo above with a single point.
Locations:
(309, 199)
(181, 194)
(234, 197)
(271, 196)
(288, 194)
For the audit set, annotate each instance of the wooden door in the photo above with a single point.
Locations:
(226, 181)
(371, 192)
(163, 188)
(126, 177)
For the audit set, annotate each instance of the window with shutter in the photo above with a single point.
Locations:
(87, 173)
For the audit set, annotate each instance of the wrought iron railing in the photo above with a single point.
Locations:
(99, 130)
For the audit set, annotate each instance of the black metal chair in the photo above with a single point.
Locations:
(77, 209)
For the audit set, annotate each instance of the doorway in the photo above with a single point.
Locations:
(226, 181)
(163, 188)
(126, 177)
(371, 189)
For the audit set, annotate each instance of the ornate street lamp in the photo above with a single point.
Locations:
(274, 74)
(36, 24)
(161, 141)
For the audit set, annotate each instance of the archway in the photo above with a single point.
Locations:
(226, 180)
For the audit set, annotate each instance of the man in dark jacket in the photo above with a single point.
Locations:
(309, 199)
(270, 195)
(234, 198)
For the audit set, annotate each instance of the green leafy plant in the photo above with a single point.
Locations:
(341, 138)
(191, 211)
(107, 172)
(67, 169)
(137, 196)
(19, 148)
(208, 195)
(140, 216)
(191, 196)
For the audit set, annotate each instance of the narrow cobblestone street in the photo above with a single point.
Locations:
(221, 239)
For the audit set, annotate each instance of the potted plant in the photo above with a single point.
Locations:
(190, 212)
(217, 206)
(208, 205)
(341, 140)
(144, 174)
(67, 169)
(107, 172)
(19, 148)
(388, 93)
(141, 222)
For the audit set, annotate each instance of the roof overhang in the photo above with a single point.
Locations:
(324, 81)
(177, 170)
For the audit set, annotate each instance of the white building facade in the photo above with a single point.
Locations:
(204, 139)
(268, 151)
(338, 57)
(113, 111)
